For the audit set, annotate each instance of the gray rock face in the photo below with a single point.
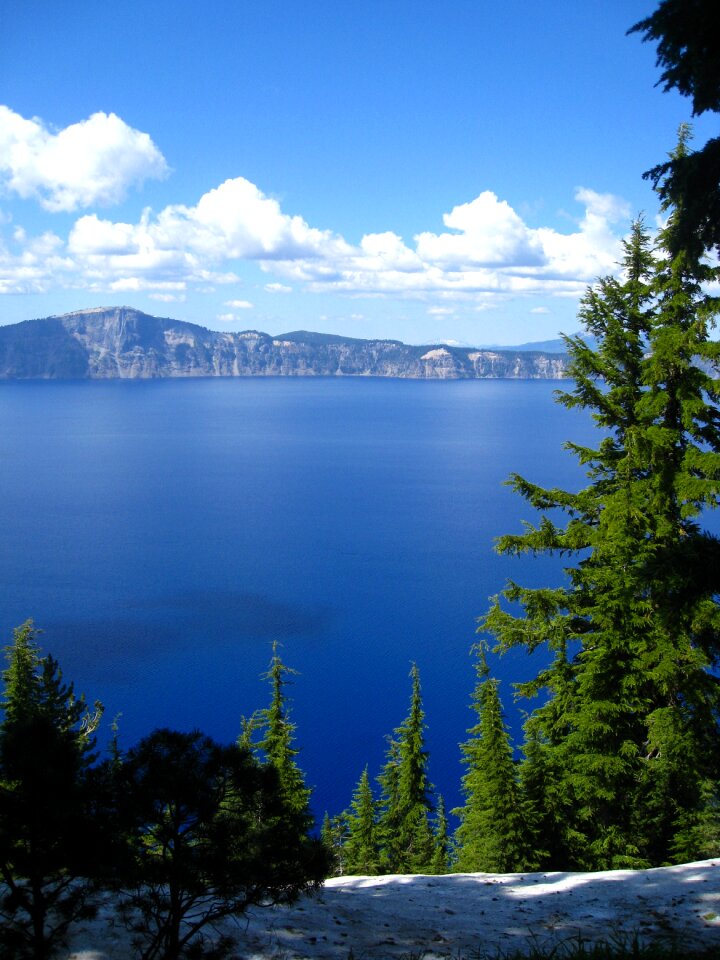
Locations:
(119, 342)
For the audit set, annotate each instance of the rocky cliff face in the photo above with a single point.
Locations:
(119, 342)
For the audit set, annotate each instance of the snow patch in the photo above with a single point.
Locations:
(438, 354)
(386, 918)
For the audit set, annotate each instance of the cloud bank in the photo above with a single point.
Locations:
(484, 251)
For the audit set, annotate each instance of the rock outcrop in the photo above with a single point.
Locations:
(119, 342)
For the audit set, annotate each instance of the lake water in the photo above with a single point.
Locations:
(163, 534)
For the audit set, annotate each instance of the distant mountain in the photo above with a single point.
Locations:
(120, 342)
(544, 346)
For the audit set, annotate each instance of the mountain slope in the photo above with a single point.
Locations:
(120, 342)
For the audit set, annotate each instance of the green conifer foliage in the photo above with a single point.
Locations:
(334, 834)
(689, 55)
(441, 852)
(625, 736)
(404, 828)
(361, 847)
(388, 827)
(279, 736)
(53, 840)
(490, 837)
(211, 835)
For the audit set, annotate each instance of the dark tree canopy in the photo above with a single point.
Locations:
(53, 839)
(688, 51)
(212, 834)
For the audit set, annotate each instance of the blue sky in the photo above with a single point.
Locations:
(427, 172)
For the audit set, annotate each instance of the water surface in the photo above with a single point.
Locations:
(164, 533)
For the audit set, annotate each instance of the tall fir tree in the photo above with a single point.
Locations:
(688, 52)
(361, 846)
(404, 826)
(54, 841)
(278, 736)
(491, 836)
(388, 825)
(441, 844)
(634, 631)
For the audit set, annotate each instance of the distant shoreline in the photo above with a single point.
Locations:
(121, 343)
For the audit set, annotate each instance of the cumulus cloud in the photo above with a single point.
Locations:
(168, 297)
(593, 249)
(238, 304)
(34, 264)
(486, 252)
(490, 252)
(489, 233)
(234, 221)
(238, 221)
(91, 162)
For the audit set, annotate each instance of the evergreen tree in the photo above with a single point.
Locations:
(404, 828)
(334, 834)
(361, 848)
(441, 851)
(634, 631)
(688, 50)
(490, 837)
(212, 835)
(53, 840)
(388, 826)
(551, 838)
(277, 743)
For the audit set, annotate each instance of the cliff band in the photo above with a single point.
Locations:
(119, 342)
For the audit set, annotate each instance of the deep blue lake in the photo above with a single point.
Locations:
(164, 533)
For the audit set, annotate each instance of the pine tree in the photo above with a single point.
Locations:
(54, 841)
(404, 828)
(490, 837)
(634, 630)
(277, 742)
(334, 834)
(212, 835)
(683, 456)
(689, 55)
(441, 851)
(361, 847)
(388, 826)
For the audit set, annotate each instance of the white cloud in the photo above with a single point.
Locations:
(237, 221)
(490, 233)
(93, 237)
(168, 297)
(486, 254)
(540, 310)
(90, 162)
(492, 253)
(238, 304)
(136, 284)
(594, 249)
(34, 264)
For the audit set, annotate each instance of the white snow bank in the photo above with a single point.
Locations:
(385, 917)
